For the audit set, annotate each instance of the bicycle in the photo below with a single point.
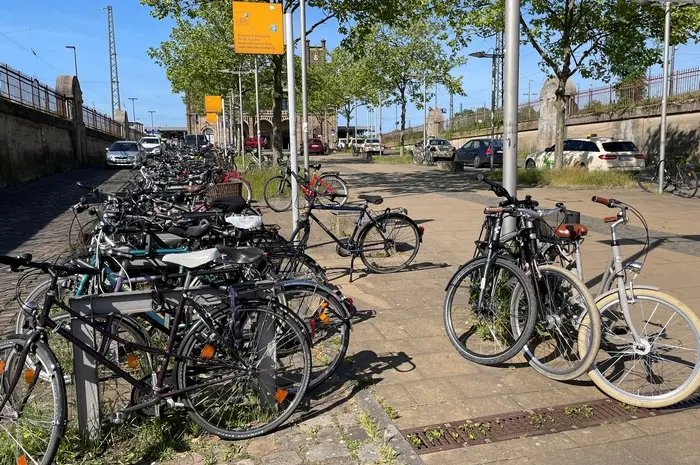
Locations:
(641, 351)
(224, 339)
(278, 189)
(373, 238)
(681, 175)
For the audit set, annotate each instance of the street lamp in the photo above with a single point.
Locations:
(133, 106)
(151, 112)
(75, 58)
(664, 92)
(494, 56)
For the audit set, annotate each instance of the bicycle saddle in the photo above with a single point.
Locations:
(230, 204)
(316, 166)
(375, 199)
(241, 255)
(193, 232)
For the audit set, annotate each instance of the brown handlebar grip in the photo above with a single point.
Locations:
(600, 200)
(610, 219)
(491, 210)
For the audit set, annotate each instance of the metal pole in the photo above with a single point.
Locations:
(664, 96)
(151, 112)
(381, 150)
(223, 122)
(240, 114)
(493, 110)
(257, 112)
(292, 108)
(234, 131)
(133, 106)
(356, 123)
(304, 102)
(436, 92)
(672, 82)
(510, 99)
(425, 111)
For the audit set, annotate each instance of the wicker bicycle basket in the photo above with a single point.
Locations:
(224, 190)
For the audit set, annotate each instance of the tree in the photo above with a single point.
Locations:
(597, 38)
(198, 44)
(400, 56)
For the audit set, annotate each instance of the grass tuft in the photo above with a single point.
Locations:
(393, 160)
(572, 177)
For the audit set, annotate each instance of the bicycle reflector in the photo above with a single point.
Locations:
(207, 351)
(22, 460)
(2, 367)
(131, 361)
(323, 316)
(28, 375)
(280, 395)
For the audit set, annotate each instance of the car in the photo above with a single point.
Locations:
(125, 153)
(435, 150)
(252, 142)
(477, 152)
(355, 144)
(593, 153)
(151, 145)
(196, 140)
(372, 146)
(342, 144)
(316, 146)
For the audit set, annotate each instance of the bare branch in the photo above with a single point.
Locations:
(547, 59)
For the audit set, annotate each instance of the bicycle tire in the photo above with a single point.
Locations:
(562, 318)
(197, 335)
(338, 185)
(689, 179)
(382, 221)
(606, 305)
(246, 190)
(46, 358)
(650, 175)
(516, 342)
(275, 189)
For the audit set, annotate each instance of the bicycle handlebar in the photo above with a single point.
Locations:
(610, 203)
(25, 260)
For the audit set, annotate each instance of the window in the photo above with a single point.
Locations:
(589, 146)
(439, 142)
(571, 145)
(372, 141)
(124, 147)
(620, 146)
(472, 144)
(150, 140)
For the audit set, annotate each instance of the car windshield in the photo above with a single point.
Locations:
(372, 141)
(496, 143)
(124, 147)
(439, 142)
(620, 146)
(150, 140)
(316, 141)
(360, 141)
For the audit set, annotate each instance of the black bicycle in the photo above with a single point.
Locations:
(678, 173)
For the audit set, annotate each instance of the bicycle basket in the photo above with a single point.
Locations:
(224, 190)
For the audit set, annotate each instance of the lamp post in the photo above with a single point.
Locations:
(257, 102)
(494, 56)
(151, 112)
(133, 106)
(75, 58)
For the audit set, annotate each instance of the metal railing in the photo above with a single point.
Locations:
(99, 122)
(27, 91)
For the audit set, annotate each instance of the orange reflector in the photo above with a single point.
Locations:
(2, 367)
(207, 351)
(324, 305)
(349, 299)
(323, 317)
(280, 395)
(28, 375)
(131, 360)
(22, 460)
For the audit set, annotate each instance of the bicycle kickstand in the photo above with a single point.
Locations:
(352, 266)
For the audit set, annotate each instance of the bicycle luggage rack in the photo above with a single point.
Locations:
(85, 366)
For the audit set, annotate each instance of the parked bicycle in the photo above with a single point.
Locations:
(278, 189)
(679, 175)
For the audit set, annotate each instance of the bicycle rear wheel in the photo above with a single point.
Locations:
(389, 244)
(648, 179)
(335, 186)
(247, 374)
(277, 194)
(33, 420)
(661, 371)
(483, 332)
(686, 183)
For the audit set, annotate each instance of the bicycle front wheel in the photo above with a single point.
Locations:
(277, 194)
(648, 179)
(663, 368)
(478, 307)
(568, 317)
(686, 183)
(389, 244)
(245, 374)
(246, 190)
(333, 185)
(33, 420)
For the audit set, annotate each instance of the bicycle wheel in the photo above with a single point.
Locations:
(389, 244)
(418, 157)
(277, 194)
(566, 305)
(648, 179)
(664, 368)
(327, 322)
(483, 332)
(686, 183)
(245, 375)
(33, 420)
(246, 190)
(335, 186)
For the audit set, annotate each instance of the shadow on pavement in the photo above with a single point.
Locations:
(27, 208)
(339, 272)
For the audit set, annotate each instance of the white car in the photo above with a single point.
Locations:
(372, 146)
(594, 153)
(151, 145)
(125, 153)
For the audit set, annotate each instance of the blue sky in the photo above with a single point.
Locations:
(35, 44)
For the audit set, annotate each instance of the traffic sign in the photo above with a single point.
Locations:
(257, 28)
(212, 103)
(211, 118)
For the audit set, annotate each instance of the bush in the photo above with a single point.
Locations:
(572, 177)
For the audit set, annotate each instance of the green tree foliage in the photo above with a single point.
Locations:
(599, 39)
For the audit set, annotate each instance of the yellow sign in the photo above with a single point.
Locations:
(257, 28)
(211, 118)
(212, 103)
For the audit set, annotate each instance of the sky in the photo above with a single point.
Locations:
(35, 44)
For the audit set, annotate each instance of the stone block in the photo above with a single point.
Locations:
(452, 166)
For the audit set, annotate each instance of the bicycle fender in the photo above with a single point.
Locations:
(613, 291)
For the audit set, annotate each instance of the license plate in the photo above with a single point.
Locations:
(625, 158)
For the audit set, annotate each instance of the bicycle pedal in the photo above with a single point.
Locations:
(118, 418)
(173, 404)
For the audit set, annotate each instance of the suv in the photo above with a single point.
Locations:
(594, 153)
(151, 145)
(372, 146)
(196, 140)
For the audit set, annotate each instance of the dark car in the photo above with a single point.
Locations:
(315, 146)
(252, 142)
(477, 152)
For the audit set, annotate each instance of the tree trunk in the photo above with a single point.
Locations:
(403, 127)
(560, 105)
(277, 98)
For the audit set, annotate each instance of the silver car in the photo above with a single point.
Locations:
(125, 153)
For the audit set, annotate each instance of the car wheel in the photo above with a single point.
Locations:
(530, 164)
(476, 162)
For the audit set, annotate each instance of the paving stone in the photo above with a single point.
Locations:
(357, 434)
(245, 462)
(282, 458)
(346, 420)
(339, 461)
(328, 435)
(262, 446)
(326, 451)
(368, 453)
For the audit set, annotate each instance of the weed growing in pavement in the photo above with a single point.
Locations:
(628, 408)
(390, 411)
(539, 419)
(393, 160)
(415, 440)
(585, 411)
(434, 434)
(572, 177)
(370, 425)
